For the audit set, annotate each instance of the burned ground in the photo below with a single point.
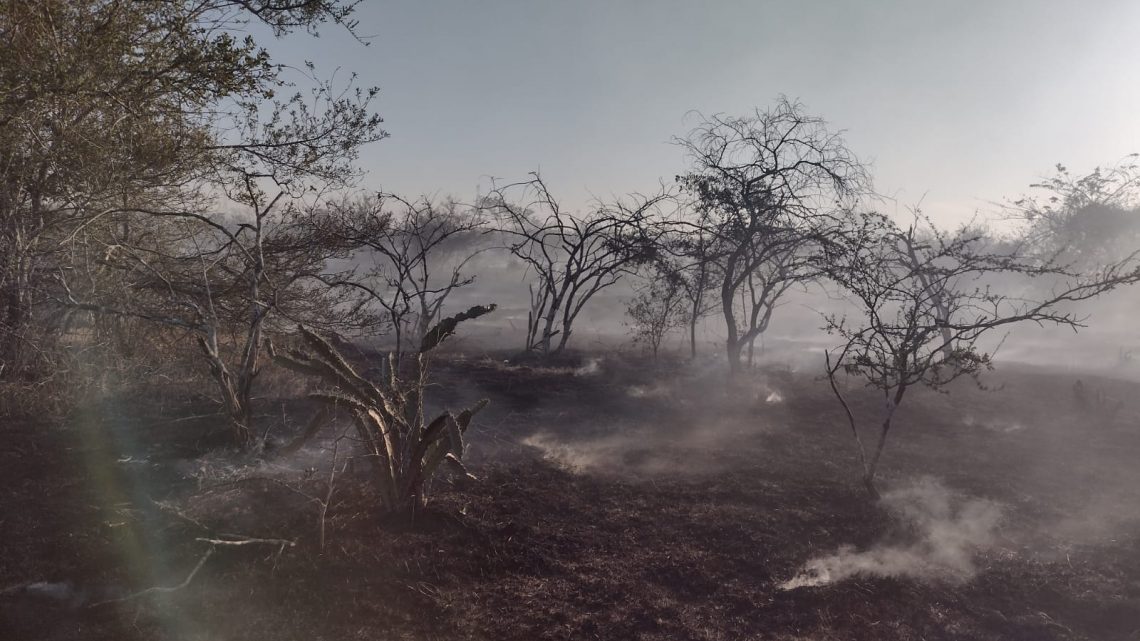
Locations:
(614, 500)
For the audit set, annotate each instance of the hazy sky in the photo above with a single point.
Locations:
(966, 102)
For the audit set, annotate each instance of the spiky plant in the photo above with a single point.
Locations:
(405, 449)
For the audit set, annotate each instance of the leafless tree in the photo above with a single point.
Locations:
(411, 256)
(689, 263)
(927, 297)
(571, 257)
(768, 190)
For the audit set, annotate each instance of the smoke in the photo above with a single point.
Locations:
(947, 532)
(694, 423)
(996, 424)
(657, 391)
(220, 468)
(629, 450)
(645, 451)
(589, 368)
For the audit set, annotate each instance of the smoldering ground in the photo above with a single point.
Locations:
(1032, 462)
(935, 535)
(667, 424)
(655, 500)
(942, 532)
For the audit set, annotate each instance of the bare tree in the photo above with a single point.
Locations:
(768, 189)
(927, 297)
(690, 264)
(571, 257)
(411, 255)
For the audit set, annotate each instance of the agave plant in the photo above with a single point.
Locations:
(405, 449)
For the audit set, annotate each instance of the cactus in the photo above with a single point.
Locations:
(405, 450)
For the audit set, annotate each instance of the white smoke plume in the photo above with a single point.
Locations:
(589, 368)
(601, 454)
(949, 531)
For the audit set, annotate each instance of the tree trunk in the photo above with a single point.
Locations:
(733, 349)
(531, 331)
(237, 412)
(17, 319)
(884, 429)
(693, 337)
(695, 316)
(548, 329)
(562, 340)
(733, 345)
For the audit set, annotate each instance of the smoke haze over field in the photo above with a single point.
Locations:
(734, 319)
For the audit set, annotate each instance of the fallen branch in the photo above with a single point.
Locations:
(242, 540)
(233, 540)
(161, 589)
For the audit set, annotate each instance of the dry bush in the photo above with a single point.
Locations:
(86, 361)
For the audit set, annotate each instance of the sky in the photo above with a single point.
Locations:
(959, 105)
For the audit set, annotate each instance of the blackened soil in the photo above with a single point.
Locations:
(623, 501)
